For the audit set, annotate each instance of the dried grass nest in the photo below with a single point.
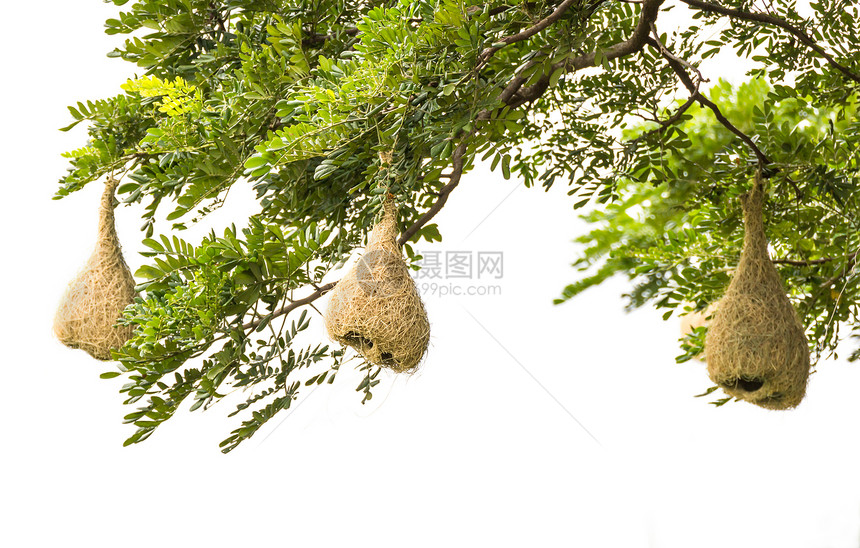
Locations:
(87, 315)
(375, 308)
(756, 346)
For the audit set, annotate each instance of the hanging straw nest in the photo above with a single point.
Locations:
(756, 347)
(376, 308)
(97, 296)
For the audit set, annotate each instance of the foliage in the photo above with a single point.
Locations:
(325, 106)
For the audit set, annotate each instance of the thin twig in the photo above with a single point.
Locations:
(666, 53)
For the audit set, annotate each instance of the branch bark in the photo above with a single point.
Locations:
(767, 19)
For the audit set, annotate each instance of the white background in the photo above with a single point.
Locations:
(471, 451)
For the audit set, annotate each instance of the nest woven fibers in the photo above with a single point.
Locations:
(96, 297)
(375, 308)
(756, 346)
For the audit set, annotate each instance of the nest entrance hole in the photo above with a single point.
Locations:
(744, 383)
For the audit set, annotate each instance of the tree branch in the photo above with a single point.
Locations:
(286, 309)
(453, 181)
(777, 22)
(668, 54)
(514, 96)
(636, 42)
(793, 262)
(663, 124)
(668, 121)
(763, 160)
(527, 33)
